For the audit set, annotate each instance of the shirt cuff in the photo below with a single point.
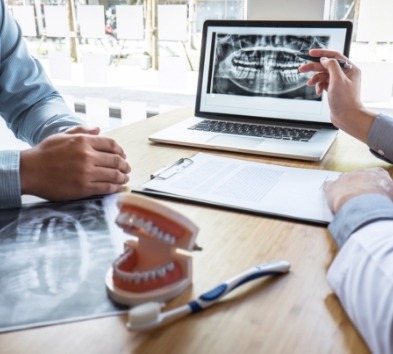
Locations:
(379, 137)
(10, 193)
(358, 212)
(57, 124)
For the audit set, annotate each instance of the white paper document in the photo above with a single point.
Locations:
(289, 192)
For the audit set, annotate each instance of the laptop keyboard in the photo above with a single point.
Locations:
(265, 131)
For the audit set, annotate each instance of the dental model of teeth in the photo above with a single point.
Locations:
(156, 264)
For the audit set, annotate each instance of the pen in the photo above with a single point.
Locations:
(176, 163)
(343, 63)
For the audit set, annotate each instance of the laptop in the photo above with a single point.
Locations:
(250, 96)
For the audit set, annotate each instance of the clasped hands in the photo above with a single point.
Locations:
(71, 165)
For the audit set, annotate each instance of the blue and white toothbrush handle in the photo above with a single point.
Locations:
(209, 298)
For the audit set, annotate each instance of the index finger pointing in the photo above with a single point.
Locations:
(305, 68)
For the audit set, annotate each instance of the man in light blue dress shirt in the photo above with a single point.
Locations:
(361, 275)
(67, 160)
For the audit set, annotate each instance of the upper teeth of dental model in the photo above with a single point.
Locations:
(131, 220)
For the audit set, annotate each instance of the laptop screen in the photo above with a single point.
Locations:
(250, 68)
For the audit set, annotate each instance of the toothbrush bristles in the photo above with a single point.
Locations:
(144, 314)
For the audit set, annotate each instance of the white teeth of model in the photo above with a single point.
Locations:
(123, 218)
(152, 275)
(154, 231)
(145, 276)
(148, 226)
(167, 238)
(170, 266)
(160, 235)
(139, 222)
(137, 278)
(161, 272)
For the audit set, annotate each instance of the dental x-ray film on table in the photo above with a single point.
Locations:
(251, 97)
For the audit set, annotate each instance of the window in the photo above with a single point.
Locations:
(371, 47)
(114, 45)
(128, 62)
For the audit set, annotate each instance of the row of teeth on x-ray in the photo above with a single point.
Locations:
(263, 71)
(264, 64)
(61, 263)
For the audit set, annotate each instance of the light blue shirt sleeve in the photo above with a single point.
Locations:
(358, 212)
(380, 138)
(361, 275)
(32, 108)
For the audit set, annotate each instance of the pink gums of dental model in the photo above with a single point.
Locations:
(156, 263)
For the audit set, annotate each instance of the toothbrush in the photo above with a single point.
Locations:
(148, 315)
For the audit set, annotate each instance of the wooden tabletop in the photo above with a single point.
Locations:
(293, 313)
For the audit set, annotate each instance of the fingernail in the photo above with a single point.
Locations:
(323, 59)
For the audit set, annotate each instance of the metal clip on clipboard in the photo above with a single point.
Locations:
(170, 170)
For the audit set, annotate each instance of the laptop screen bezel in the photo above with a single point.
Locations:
(347, 25)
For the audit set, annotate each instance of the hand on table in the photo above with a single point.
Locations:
(359, 182)
(75, 164)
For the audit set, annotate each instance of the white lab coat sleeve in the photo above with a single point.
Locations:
(361, 275)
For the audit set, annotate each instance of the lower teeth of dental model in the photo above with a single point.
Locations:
(137, 277)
